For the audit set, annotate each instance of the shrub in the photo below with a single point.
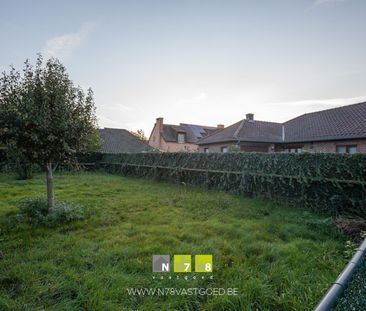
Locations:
(35, 210)
(20, 163)
(24, 170)
(12, 161)
(89, 157)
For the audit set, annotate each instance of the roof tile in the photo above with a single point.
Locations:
(120, 141)
(337, 123)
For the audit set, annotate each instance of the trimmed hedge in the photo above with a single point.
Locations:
(332, 183)
(90, 157)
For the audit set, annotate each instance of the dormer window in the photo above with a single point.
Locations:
(181, 138)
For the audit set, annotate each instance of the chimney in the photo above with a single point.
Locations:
(159, 123)
(220, 126)
(250, 116)
(159, 127)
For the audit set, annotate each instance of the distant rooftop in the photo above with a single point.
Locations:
(193, 132)
(345, 122)
(120, 141)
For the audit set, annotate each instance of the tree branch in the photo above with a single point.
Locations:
(55, 167)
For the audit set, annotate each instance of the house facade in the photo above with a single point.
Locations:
(338, 130)
(177, 138)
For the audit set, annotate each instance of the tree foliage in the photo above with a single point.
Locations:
(44, 117)
(140, 134)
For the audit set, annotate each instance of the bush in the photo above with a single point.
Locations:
(12, 161)
(35, 210)
(21, 164)
(24, 170)
(89, 157)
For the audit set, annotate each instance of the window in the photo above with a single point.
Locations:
(341, 149)
(181, 138)
(346, 149)
(205, 150)
(293, 150)
(224, 149)
(352, 149)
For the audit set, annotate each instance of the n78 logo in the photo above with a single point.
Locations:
(182, 263)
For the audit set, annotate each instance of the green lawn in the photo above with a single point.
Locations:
(279, 258)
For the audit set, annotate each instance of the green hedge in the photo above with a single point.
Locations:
(89, 157)
(331, 183)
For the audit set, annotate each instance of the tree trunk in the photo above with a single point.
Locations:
(50, 196)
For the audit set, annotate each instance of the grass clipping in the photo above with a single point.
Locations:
(36, 212)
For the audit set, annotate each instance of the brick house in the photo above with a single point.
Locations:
(341, 130)
(176, 138)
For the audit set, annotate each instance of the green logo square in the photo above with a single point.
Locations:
(182, 263)
(203, 263)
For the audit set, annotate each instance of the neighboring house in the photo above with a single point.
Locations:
(121, 141)
(341, 130)
(175, 138)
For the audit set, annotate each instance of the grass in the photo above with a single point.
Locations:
(279, 258)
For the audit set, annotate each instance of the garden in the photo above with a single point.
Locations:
(277, 229)
(279, 257)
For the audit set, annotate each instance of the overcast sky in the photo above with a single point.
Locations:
(197, 61)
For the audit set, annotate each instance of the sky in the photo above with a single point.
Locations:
(204, 62)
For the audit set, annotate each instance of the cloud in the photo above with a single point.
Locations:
(104, 121)
(200, 98)
(283, 111)
(116, 107)
(324, 103)
(62, 46)
(320, 2)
